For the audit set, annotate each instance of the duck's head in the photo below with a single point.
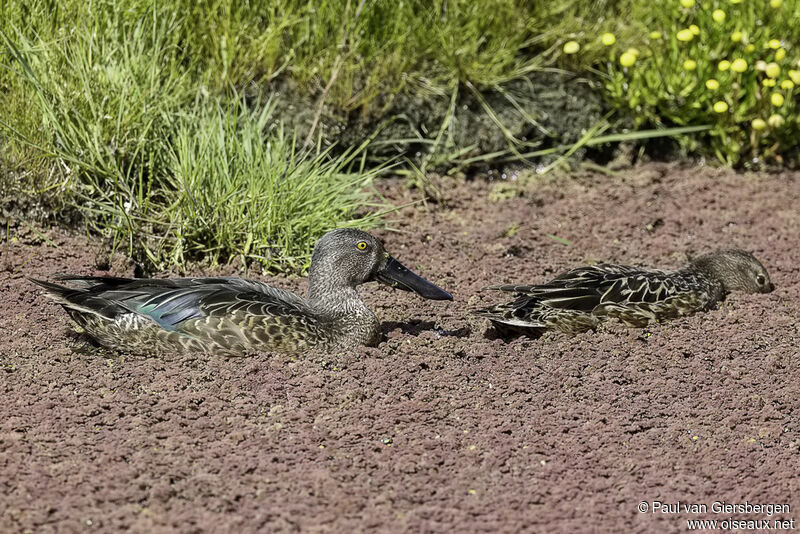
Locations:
(738, 270)
(347, 258)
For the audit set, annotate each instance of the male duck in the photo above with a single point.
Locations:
(580, 299)
(229, 315)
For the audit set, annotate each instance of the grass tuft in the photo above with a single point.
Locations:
(243, 190)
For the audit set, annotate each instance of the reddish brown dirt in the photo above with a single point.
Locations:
(442, 428)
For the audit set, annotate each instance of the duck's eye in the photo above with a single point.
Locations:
(361, 245)
(760, 280)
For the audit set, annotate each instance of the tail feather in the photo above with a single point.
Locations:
(504, 314)
(53, 291)
(86, 282)
(79, 298)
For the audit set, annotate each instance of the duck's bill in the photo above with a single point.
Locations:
(397, 275)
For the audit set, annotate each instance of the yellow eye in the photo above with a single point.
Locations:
(362, 245)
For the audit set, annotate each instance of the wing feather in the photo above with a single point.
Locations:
(175, 302)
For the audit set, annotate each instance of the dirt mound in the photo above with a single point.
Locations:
(443, 427)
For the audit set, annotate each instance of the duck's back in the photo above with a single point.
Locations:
(197, 314)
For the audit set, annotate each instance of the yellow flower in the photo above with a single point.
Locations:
(787, 84)
(775, 3)
(695, 29)
(739, 65)
(768, 82)
(724, 65)
(795, 76)
(608, 39)
(712, 84)
(571, 47)
(627, 59)
(634, 51)
(690, 64)
(737, 37)
(685, 35)
(773, 70)
(718, 15)
(774, 44)
(749, 48)
(687, 3)
(776, 121)
(736, 1)
(780, 54)
(776, 99)
(720, 107)
(655, 36)
(758, 124)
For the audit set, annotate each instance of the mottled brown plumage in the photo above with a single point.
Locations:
(231, 315)
(580, 299)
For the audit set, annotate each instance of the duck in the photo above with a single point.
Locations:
(234, 315)
(582, 298)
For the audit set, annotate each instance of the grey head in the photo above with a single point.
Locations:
(345, 258)
(737, 270)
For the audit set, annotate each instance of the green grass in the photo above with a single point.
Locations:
(165, 171)
(156, 122)
(130, 112)
(371, 50)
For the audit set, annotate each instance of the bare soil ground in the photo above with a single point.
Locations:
(443, 427)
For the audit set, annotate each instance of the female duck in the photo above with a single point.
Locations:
(230, 315)
(580, 299)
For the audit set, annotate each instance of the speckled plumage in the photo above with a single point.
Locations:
(231, 315)
(580, 299)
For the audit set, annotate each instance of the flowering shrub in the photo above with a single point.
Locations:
(732, 64)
